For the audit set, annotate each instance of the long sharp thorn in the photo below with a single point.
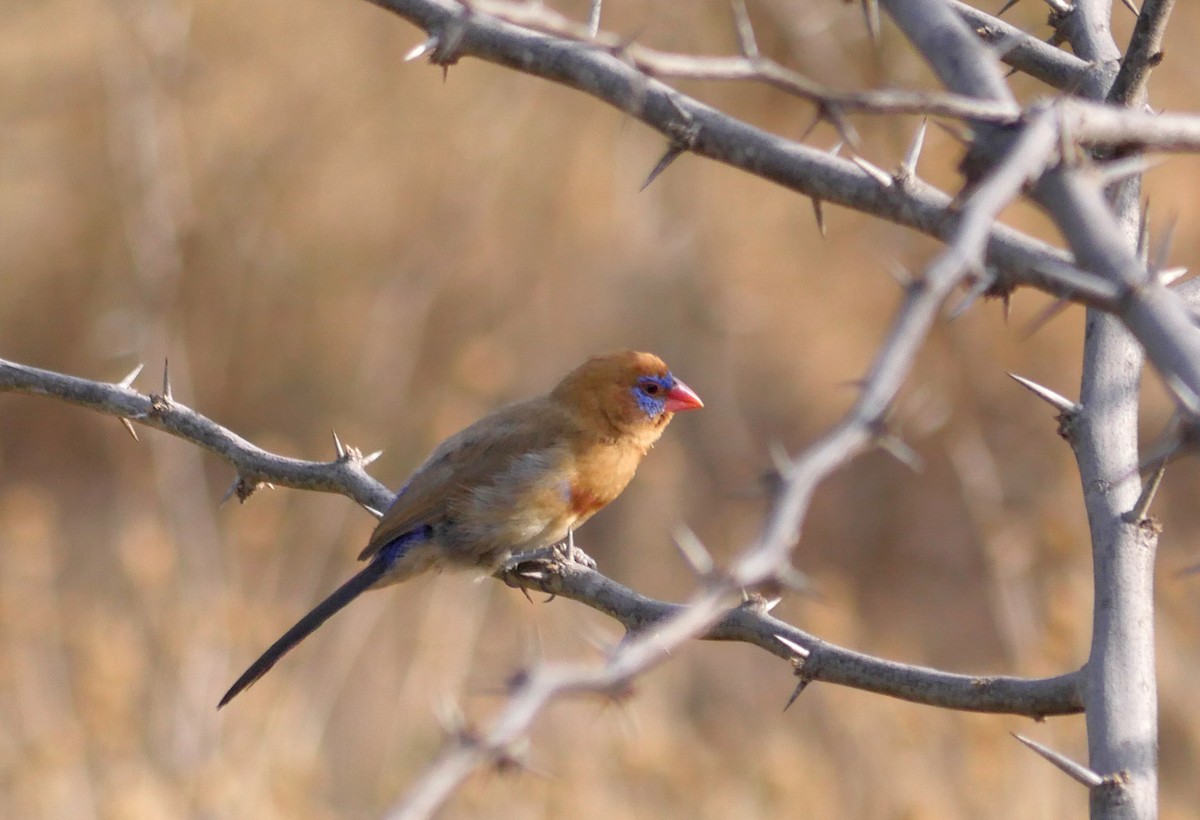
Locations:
(1171, 275)
(370, 457)
(1077, 772)
(1006, 7)
(914, 150)
(672, 153)
(594, 18)
(373, 511)
(819, 213)
(878, 174)
(1162, 248)
(745, 31)
(1121, 169)
(972, 296)
(1143, 238)
(167, 380)
(871, 17)
(900, 451)
(129, 426)
(800, 687)
(1141, 509)
(812, 125)
(419, 51)
(1129, 5)
(900, 273)
(694, 552)
(233, 488)
(337, 446)
(963, 135)
(845, 130)
(799, 651)
(128, 380)
(1058, 402)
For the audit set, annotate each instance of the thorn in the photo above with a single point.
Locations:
(594, 18)
(228, 494)
(1129, 5)
(800, 687)
(914, 150)
(963, 135)
(871, 17)
(693, 551)
(837, 148)
(1006, 300)
(901, 274)
(897, 449)
(129, 426)
(1171, 275)
(373, 511)
(1183, 393)
(1162, 248)
(1060, 403)
(1141, 509)
(128, 380)
(845, 130)
(819, 213)
(795, 580)
(1143, 237)
(799, 651)
(451, 718)
(1077, 772)
(1008, 5)
(745, 31)
(1113, 172)
(167, 380)
(427, 47)
(1191, 569)
(369, 458)
(1046, 315)
(812, 125)
(979, 288)
(672, 153)
(337, 446)
(878, 174)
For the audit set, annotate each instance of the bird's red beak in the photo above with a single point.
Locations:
(682, 397)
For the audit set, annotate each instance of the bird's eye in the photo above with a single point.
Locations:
(650, 388)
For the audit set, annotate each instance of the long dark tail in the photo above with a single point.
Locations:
(343, 595)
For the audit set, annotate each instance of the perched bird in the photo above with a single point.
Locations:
(520, 479)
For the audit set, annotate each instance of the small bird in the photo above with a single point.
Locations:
(520, 479)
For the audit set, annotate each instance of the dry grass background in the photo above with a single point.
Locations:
(319, 236)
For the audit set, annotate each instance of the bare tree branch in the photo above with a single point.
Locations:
(344, 475)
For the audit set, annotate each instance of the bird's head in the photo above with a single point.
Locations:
(627, 391)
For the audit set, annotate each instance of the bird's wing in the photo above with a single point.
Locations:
(475, 457)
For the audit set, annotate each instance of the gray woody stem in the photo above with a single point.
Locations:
(1120, 696)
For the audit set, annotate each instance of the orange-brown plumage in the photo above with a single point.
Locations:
(517, 480)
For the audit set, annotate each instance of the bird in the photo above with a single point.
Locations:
(518, 480)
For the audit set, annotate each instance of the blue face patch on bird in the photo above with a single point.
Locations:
(664, 394)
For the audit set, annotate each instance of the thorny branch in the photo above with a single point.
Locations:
(767, 562)
(1019, 148)
(748, 622)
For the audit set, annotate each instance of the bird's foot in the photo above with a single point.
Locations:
(567, 552)
(548, 558)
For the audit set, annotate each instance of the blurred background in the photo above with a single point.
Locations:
(320, 236)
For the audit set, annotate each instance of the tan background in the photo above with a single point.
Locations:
(321, 236)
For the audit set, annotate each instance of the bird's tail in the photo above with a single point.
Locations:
(323, 611)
